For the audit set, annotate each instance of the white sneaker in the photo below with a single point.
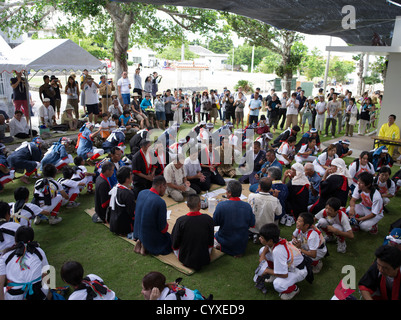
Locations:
(72, 204)
(341, 246)
(318, 267)
(270, 279)
(55, 220)
(290, 221)
(37, 220)
(289, 296)
(284, 217)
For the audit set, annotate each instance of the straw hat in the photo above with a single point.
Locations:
(69, 107)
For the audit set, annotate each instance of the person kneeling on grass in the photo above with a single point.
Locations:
(81, 174)
(234, 217)
(151, 227)
(71, 187)
(27, 157)
(57, 154)
(335, 223)
(309, 240)
(21, 269)
(281, 263)
(90, 287)
(102, 197)
(154, 287)
(84, 146)
(23, 212)
(193, 235)
(385, 185)
(122, 203)
(48, 194)
(7, 227)
(367, 214)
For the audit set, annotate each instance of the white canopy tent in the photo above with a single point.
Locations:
(49, 55)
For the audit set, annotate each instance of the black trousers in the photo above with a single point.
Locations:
(22, 135)
(282, 113)
(213, 178)
(199, 186)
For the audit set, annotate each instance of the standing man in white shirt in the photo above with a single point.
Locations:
(283, 110)
(321, 108)
(292, 111)
(333, 107)
(91, 98)
(124, 89)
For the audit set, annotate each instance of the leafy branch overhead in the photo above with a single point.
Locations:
(125, 24)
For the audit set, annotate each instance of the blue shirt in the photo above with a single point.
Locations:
(124, 119)
(146, 103)
(234, 217)
(57, 152)
(85, 144)
(150, 225)
(267, 164)
(254, 106)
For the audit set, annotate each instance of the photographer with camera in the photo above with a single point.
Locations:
(106, 89)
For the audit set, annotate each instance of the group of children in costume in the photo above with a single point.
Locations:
(282, 262)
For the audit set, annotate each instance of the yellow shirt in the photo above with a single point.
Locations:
(387, 132)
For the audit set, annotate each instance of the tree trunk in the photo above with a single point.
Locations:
(120, 48)
(286, 81)
(359, 88)
(288, 39)
(123, 21)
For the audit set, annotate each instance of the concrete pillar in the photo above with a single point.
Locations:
(392, 87)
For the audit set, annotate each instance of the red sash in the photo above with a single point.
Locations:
(395, 290)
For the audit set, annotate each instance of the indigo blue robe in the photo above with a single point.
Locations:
(150, 225)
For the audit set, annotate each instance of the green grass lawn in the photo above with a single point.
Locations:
(113, 259)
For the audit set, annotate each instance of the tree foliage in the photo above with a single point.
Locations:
(220, 44)
(174, 53)
(243, 55)
(278, 41)
(269, 62)
(340, 69)
(314, 65)
(124, 24)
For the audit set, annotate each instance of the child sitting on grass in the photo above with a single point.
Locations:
(71, 187)
(369, 212)
(90, 287)
(309, 240)
(281, 262)
(22, 211)
(385, 185)
(82, 174)
(335, 223)
(48, 194)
